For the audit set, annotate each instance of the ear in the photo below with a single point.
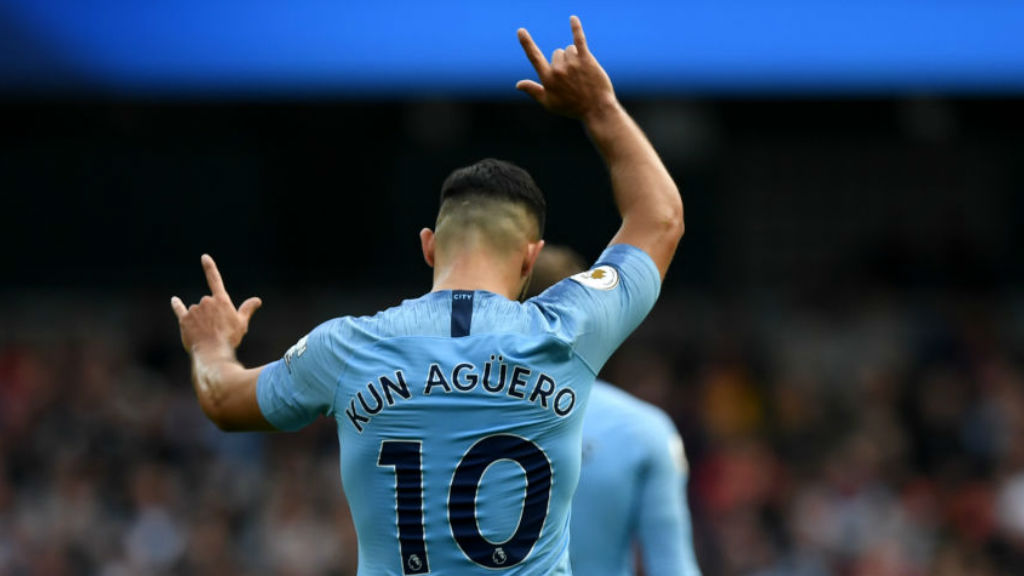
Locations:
(532, 252)
(427, 244)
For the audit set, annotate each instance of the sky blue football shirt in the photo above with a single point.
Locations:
(459, 416)
(632, 489)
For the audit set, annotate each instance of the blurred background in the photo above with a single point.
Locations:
(840, 339)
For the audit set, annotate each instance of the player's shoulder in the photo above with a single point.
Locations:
(621, 270)
(605, 275)
(350, 332)
(426, 315)
(645, 418)
(626, 265)
(647, 426)
(430, 315)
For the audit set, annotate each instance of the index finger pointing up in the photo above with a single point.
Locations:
(577, 34)
(213, 276)
(533, 53)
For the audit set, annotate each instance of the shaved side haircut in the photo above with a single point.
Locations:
(494, 199)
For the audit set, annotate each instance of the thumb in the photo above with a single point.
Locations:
(249, 307)
(535, 90)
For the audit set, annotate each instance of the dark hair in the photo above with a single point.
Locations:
(500, 180)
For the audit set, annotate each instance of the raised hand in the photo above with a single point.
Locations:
(214, 321)
(573, 83)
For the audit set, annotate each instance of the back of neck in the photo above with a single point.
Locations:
(477, 271)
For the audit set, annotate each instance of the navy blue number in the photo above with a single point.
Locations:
(406, 458)
(462, 500)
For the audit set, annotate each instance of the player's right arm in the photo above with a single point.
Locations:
(574, 84)
(283, 395)
(211, 332)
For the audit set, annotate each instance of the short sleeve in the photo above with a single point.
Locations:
(298, 388)
(598, 309)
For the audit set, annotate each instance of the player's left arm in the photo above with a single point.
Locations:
(211, 331)
(598, 309)
(664, 529)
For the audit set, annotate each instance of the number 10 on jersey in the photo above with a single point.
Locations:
(406, 457)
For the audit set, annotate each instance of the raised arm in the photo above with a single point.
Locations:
(211, 332)
(574, 84)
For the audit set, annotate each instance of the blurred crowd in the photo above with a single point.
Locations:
(879, 436)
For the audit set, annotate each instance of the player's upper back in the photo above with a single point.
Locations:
(459, 416)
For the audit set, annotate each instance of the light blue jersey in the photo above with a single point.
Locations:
(459, 416)
(632, 490)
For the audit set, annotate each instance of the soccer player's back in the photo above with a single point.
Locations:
(632, 490)
(434, 394)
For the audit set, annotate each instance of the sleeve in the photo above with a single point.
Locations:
(664, 529)
(597, 309)
(293, 391)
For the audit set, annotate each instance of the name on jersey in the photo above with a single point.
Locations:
(495, 377)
